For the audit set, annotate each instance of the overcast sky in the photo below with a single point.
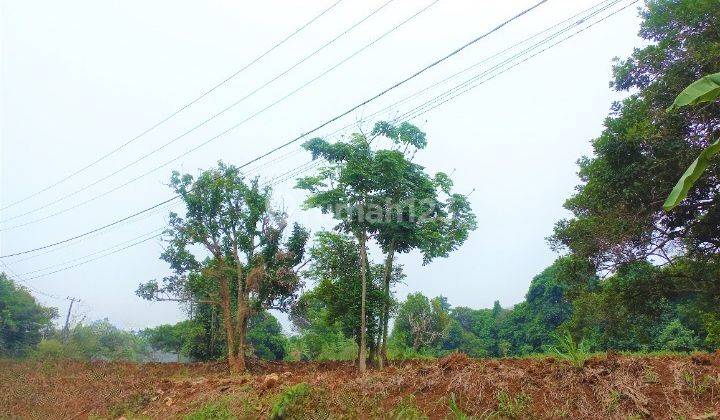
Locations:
(80, 78)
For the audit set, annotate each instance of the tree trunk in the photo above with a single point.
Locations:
(386, 307)
(241, 319)
(228, 322)
(362, 356)
(242, 316)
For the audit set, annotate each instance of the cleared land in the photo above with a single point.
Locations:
(611, 386)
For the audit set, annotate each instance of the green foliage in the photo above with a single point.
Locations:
(691, 175)
(407, 409)
(179, 338)
(421, 323)
(705, 89)
(23, 321)
(321, 336)
(382, 193)
(334, 304)
(676, 337)
(212, 411)
(572, 351)
(99, 340)
(456, 411)
(227, 252)
(512, 407)
(266, 337)
(292, 402)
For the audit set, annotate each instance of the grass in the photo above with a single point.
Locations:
(407, 409)
(212, 411)
(697, 386)
(292, 402)
(456, 411)
(512, 407)
(130, 407)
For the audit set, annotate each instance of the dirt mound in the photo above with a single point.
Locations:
(455, 361)
(615, 386)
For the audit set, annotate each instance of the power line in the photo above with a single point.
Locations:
(202, 123)
(179, 110)
(514, 65)
(307, 166)
(322, 125)
(155, 169)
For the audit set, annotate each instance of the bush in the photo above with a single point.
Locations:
(575, 353)
(291, 402)
(211, 411)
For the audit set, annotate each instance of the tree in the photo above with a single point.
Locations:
(419, 212)
(421, 322)
(643, 150)
(266, 337)
(345, 188)
(335, 270)
(178, 338)
(618, 219)
(381, 193)
(23, 321)
(244, 267)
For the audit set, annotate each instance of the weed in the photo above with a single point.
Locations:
(567, 349)
(407, 410)
(698, 386)
(211, 411)
(130, 406)
(512, 407)
(291, 402)
(614, 402)
(650, 376)
(456, 411)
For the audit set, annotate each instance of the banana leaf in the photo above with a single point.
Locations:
(691, 175)
(705, 89)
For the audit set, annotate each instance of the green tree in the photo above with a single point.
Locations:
(422, 323)
(23, 321)
(244, 267)
(381, 193)
(618, 218)
(177, 338)
(266, 337)
(336, 297)
(419, 212)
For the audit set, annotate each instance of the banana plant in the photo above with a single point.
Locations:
(706, 89)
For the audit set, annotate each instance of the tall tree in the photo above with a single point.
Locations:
(420, 212)
(345, 189)
(244, 267)
(379, 192)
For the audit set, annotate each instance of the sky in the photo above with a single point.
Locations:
(80, 78)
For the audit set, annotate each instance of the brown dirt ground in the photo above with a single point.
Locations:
(610, 386)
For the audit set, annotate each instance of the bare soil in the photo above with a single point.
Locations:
(611, 386)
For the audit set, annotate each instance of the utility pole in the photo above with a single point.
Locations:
(66, 329)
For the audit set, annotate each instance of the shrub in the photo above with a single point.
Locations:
(567, 349)
(211, 411)
(291, 402)
(407, 410)
(512, 407)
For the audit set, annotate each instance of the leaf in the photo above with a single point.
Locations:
(691, 175)
(705, 89)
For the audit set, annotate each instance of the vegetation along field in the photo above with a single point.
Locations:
(287, 320)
